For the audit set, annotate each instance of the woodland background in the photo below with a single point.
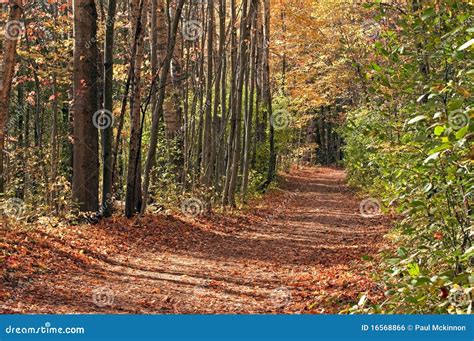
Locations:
(143, 106)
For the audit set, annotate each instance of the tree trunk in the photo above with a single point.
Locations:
(208, 138)
(243, 43)
(85, 104)
(267, 90)
(107, 132)
(133, 199)
(232, 108)
(8, 65)
(249, 116)
(159, 106)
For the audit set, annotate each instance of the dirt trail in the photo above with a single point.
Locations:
(299, 250)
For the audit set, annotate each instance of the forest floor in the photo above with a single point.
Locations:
(299, 249)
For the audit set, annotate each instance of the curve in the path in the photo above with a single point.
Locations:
(299, 250)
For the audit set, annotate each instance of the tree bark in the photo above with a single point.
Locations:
(133, 199)
(107, 133)
(85, 104)
(9, 57)
(249, 116)
(267, 90)
(159, 106)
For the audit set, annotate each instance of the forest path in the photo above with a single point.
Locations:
(297, 250)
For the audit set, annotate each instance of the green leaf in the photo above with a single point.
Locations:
(421, 281)
(413, 269)
(402, 252)
(439, 130)
(428, 13)
(417, 203)
(461, 279)
(462, 132)
(411, 299)
(444, 146)
(366, 257)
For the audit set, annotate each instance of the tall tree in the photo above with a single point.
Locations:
(107, 132)
(267, 92)
(85, 183)
(133, 199)
(12, 34)
(243, 45)
(161, 98)
(250, 104)
(207, 151)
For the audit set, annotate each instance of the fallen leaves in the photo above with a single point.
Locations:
(231, 262)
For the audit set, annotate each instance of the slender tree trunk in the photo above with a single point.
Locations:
(223, 73)
(243, 43)
(154, 50)
(171, 108)
(208, 131)
(232, 108)
(133, 199)
(267, 90)
(54, 148)
(159, 106)
(249, 117)
(107, 132)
